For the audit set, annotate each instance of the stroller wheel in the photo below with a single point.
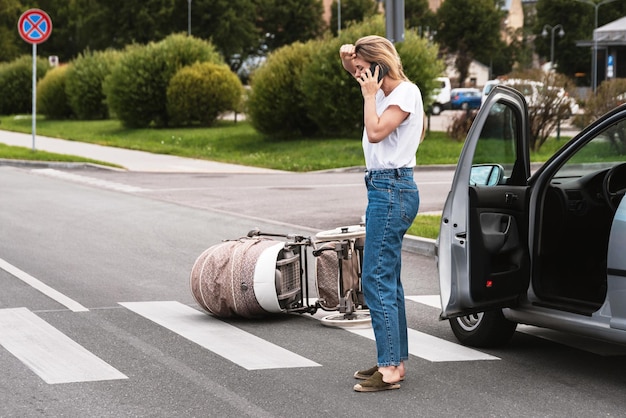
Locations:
(357, 319)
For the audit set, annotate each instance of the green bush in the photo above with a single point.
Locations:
(333, 97)
(276, 103)
(136, 89)
(16, 84)
(304, 89)
(84, 83)
(51, 98)
(199, 93)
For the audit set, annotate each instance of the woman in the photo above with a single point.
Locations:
(394, 124)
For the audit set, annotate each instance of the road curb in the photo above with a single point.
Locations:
(419, 245)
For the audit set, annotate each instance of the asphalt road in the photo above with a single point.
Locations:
(96, 316)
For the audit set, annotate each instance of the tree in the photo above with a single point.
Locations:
(286, 21)
(470, 29)
(351, 11)
(578, 23)
(11, 44)
(230, 25)
(418, 16)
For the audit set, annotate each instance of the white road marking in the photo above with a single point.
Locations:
(433, 301)
(240, 347)
(43, 288)
(50, 172)
(48, 352)
(424, 345)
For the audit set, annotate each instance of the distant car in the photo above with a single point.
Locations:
(465, 98)
(489, 85)
(441, 97)
(536, 95)
(542, 246)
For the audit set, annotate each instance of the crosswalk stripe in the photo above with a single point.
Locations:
(423, 345)
(42, 287)
(51, 172)
(240, 347)
(48, 352)
(432, 348)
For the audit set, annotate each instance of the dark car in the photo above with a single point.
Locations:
(465, 98)
(542, 247)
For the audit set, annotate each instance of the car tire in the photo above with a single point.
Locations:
(483, 329)
(436, 109)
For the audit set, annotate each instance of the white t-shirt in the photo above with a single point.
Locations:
(398, 149)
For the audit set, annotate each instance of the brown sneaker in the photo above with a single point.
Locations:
(375, 384)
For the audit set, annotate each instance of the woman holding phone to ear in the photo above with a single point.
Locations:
(394, 126)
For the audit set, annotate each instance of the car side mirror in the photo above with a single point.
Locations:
(486, 174)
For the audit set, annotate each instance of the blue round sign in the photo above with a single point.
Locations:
(34, 26)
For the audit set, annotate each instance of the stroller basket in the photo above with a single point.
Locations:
(288, 277)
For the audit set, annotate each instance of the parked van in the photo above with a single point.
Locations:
(441, 98)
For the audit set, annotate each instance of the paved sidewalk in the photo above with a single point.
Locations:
(129, 159)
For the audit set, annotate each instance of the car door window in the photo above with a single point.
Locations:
(496, 147)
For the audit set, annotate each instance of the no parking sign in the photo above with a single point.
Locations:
(34, 27)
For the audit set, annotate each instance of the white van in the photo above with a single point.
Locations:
(441, 97)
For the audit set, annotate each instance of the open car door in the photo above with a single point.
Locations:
(482, 249)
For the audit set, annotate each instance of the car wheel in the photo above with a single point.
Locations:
(436, 109)
(483, 329)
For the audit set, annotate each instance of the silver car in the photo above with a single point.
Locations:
(541, 245)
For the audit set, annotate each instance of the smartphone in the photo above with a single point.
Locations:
(381, 73)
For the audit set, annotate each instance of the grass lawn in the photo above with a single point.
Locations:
(236, 143)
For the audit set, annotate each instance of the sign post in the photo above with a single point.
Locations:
(34, 27)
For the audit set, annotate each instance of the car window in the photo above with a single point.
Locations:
(498, 137)
(605, 150)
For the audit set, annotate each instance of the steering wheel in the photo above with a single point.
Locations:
(615, 178)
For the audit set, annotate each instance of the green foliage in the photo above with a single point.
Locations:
(303, 89)
(51, 98)
(276, 102)
(610, 94)
(84, 83)
(199, 93)
(136, 89)
(471, 30)
(578, 24)
(16, 84)
(342, 112)
(352, 11)
(289, 21)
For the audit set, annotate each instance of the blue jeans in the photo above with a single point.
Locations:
(393, 201)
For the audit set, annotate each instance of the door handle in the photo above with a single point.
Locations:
(510, 198)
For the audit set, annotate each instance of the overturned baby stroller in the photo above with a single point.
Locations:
(259, 274)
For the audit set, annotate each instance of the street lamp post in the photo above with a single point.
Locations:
(544, 33)
(189, 17)
(594, 71)
(338, 17)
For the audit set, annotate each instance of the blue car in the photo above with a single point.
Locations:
(465, 98)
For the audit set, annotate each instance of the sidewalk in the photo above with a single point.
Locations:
(129, 159)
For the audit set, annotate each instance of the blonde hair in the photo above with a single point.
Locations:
(374, 48)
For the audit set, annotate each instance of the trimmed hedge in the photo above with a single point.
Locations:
(84, 84)
(136, 89)
(304, 89)
(276, 104)
(16, 84)
(51, 98)
(199, 93)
